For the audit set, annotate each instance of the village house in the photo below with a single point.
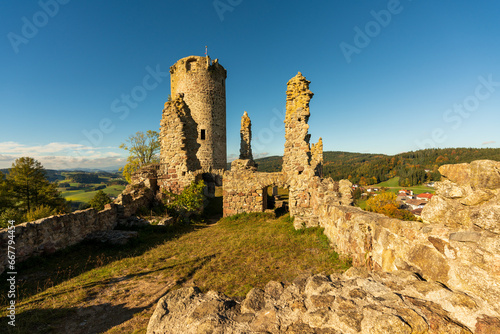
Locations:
(414, 204)
(424, 197)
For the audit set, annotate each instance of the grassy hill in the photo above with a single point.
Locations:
(115, 289)
(80, 186)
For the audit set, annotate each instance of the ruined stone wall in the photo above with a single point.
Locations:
(179, 146)
(47, 235)
(245, 190)
(462, 253)
(301, 163)
(246, 137)
(297, 155)
(203, 84)
(148, 176)
(468, 197)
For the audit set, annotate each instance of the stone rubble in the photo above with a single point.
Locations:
(355, 302)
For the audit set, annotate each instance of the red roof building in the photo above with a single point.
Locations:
(424, 196)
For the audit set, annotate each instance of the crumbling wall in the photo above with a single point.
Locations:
(179, 146)
(244, 188)
(458, 248)
(246, 138)
(468, 197)
(47, 235)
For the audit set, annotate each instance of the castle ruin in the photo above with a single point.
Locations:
(193, 125)
(441, 275)
(193, 146)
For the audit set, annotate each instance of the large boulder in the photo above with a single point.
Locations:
(478, 174)
(468, 197)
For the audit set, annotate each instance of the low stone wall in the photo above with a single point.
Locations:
(245, 190)
(457, 245)
(47, 235)
(468, 261)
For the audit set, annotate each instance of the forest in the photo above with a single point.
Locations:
(413, 168)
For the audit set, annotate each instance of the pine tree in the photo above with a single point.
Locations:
(30, 187)
(99, 200)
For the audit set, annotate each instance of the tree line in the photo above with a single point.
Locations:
(413, 168)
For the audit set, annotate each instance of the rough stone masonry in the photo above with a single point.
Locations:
(437, 276)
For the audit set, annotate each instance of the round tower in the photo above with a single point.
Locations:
(203, 84)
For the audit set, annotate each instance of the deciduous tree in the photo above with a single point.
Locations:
(143, 149)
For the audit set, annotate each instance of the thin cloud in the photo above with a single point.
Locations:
(60, 155)
(489, 142)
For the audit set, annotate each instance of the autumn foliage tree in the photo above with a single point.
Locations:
(143, 150)
(386, 204)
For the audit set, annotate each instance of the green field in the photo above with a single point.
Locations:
(86, 196)
(82, 196)
(392, 186)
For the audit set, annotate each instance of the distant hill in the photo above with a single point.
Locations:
(413, 167)
(60, 174)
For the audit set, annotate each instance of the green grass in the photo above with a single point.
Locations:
(392, 186)
(390, 183)
(232, 256)
(83, 196)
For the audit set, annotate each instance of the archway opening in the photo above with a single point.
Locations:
(276, 199)
(213, 196)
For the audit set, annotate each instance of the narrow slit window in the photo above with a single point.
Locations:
(202, 134)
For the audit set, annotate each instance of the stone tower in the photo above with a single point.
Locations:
(203, 85)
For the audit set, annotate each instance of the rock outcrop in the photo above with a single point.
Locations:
(355, 302)
(468, 198)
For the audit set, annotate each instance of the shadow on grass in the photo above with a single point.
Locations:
(40, 273)
(92, 319)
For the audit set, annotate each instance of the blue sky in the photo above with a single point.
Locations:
(388, 76)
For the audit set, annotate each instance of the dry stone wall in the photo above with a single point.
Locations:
(47, 235)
